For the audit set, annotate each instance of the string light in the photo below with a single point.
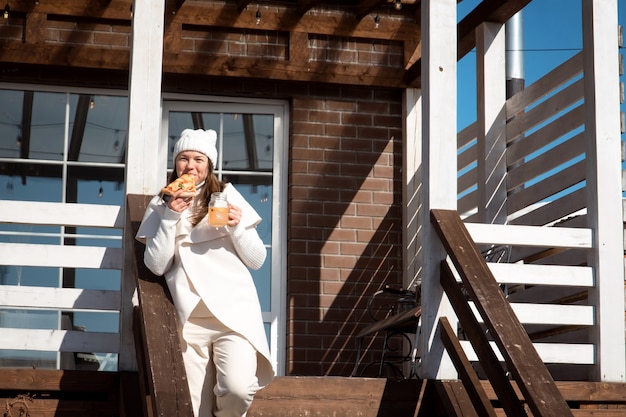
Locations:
(397, 4)
(258, 13)
(100, 191)
(376, 21)
(92, 103)
(7, 11)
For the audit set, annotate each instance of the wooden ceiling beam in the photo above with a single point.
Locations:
(306, 5)
(242, 4)
(366, 7)
(487, 11)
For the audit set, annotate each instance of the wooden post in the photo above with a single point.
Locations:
(412, 198)
(145, 159)
(491, 145)
(604, 192)
(439, 167)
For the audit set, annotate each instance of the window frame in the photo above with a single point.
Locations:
(276, 317)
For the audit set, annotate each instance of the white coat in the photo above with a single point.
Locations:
(206, 260)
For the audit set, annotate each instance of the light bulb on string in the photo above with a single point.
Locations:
(7, 11)
(100, 191)
(92, 103)
(397, 4)
(376, 21)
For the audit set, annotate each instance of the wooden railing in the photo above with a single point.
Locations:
(503, 327)
(545, 165)
(163, 380)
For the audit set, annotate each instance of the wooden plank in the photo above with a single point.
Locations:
(62, 214)
(581, 354)
(557, 275)
(547, 187)
(568, 205)
(529, 144)
(26, 254)
(67, 299)
(559, 237)
(543, 86)
(545, 110)
(553, 158)
(480, 345)
(290, 396)
(169, 390)
(455, 399)
(487, 11)
(439, 148)
(467, 135)
(41, 407)
(522, 359)
(528, 313)
(467, 180)
(35, 28)
(30, 380)
(577, 391)
(59, 340)
(604, 188)
(478, 397)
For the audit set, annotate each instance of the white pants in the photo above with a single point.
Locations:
(221, 367)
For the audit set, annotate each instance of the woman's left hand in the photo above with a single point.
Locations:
(234, 215)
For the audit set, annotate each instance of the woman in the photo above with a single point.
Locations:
(225, 348)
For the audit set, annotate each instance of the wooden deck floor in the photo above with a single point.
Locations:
(51, 393)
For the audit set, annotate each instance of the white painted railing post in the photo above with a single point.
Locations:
(439, 167)
(604, 202)
(144, 157)
(412, 238)
(491, 137)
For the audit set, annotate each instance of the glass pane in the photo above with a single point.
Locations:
(257, 190)
(44, 138)
(248, 142)
(10, 123)
(28, 359)
(29, 276)
(95, 185)
(98, 279)
(31, 182)
(29, 319)
(97, 322)
(103, 122)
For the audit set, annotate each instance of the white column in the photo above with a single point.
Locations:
(491, 145)
(145, 158)
(604, 192)
(412, 199)
(439, 133)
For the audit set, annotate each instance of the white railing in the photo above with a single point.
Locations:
(64, 339)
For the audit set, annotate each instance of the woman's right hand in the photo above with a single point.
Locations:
(178, 203)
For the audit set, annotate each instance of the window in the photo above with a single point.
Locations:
(61, 147)
(251, 154)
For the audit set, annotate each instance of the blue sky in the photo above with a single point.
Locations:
(552, 34)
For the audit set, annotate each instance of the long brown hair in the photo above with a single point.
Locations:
(201, 202)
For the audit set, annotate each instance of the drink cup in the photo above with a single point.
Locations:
(218, 210)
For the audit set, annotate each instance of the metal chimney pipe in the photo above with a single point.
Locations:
(515, 54)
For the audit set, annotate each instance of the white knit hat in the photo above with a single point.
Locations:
(198, 140)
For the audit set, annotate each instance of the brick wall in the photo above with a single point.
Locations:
(344, 223)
